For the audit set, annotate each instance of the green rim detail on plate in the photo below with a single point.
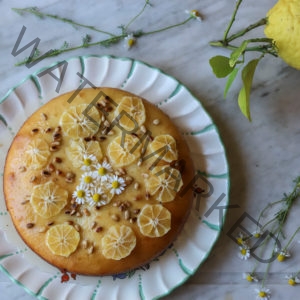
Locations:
(206, 126)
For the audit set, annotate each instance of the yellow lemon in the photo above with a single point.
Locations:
(283, 26)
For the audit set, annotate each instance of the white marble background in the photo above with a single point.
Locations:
(263, 155)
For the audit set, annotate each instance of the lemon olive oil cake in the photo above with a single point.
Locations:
(95, 181)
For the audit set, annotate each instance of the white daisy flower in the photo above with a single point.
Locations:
(292, 280)
(80, 194)
(194, 14)
(130, 41)
(283, 255)
(250, 277)
(116, 184)
(88, 180)
(244, 252)
(241, 239)
(97, 197)
(257, 233)
(89, 162)
(263, 294)
(103, 170)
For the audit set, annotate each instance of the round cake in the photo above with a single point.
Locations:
(97, 181)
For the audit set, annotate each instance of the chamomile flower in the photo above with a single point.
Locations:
(80, 194)
(257, 233)
(283, 255)
(250, 277)
(240, 239)
(89, 161)
(263, 294)
(97, 197)
(292, 280)
(194, 14)
(88, 180)
(130, 41)
(103, 170)
(244, 252)
(116, 184)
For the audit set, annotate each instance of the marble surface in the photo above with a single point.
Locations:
(263, 155)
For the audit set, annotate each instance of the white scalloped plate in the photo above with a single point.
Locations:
(202, 229)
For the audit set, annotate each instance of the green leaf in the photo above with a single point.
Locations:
(230, 80)
(235, 55)
(220, 66)
(244, 95)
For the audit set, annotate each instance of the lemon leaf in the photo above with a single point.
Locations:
(230, 80)
(235, 55)
(220, 66)
(244, 95)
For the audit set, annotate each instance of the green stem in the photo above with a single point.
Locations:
(247, 29)
(167, 28)
(291, 239)
(138, 15)
(36, 12)
(232, 20)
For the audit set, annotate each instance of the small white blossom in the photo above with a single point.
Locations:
(89, 162)
(116, 184)
(103, 170)
(244, 253)
(257, 233)
(194, 14)
(88, 180)
(263, 294)
(241, 239)
(130, 41)
(80, 194)
(283, 255)
(250, 277)
(292, 280)
(97, 197)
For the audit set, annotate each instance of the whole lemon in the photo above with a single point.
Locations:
(283, 26)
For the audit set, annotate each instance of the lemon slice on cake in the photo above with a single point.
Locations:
(36, 154)
(80, 121)
(62, 239)
(154, 220)
(118, 242)
(164, 146)
(78, 149)
(123, 154)
(48, 199)
(164, 183)
(131, 112)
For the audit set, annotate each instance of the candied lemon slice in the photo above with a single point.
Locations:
(118, 242)
(154, 220)
(164, 146)
(48, 199)
(36, 154)
(163, 183)
(79, 148)
(131, 112)
(80, 121)
(123, 154)
(62, 239)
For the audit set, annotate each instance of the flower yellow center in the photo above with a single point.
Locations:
(291, 281)
(243, 251)
(262, 294)
(249, 278)
(88, 179)
(115, 184)
(240, 241)
(80, 194)
(280, 257)
(195, 13)
(87, 162)
(96, 197)
(130, 42)
(257, 235)
(101, 171)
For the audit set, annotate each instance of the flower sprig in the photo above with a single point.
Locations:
(129, 37)
(268, 237)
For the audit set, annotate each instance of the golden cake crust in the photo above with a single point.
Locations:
(91, 222)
